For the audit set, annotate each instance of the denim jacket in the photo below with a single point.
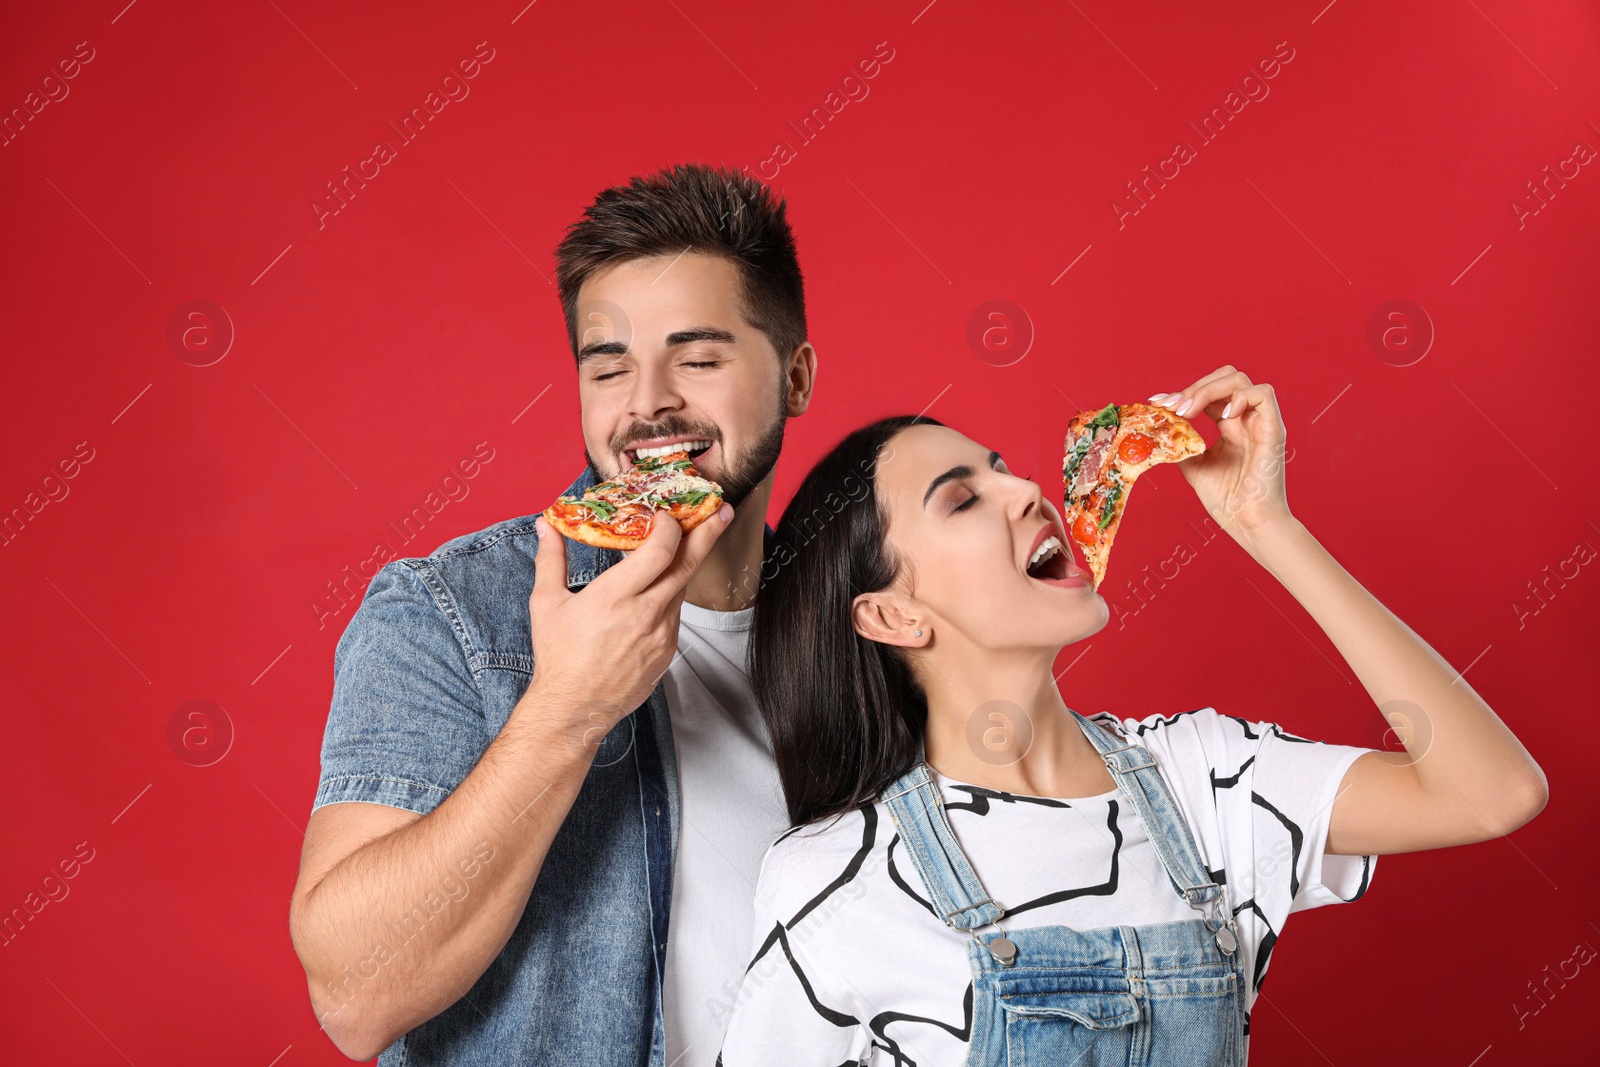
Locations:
(425, 676)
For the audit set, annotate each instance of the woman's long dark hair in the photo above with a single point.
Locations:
(845, 714)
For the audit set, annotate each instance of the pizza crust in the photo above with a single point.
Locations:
(587, 533)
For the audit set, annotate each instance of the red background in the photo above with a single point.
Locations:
(376, 351)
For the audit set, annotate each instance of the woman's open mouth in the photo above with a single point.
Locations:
(1053, 563)
(1049, 561)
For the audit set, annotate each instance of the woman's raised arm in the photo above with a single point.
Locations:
(1464, 776)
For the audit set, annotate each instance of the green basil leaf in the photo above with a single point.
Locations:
(1108, 416)
(1109, 506)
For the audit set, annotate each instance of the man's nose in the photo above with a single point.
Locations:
(653, 394)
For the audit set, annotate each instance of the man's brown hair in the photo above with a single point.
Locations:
(692, 207)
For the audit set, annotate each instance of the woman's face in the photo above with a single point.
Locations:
(965, 529)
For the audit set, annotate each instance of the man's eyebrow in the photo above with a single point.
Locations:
(711, 334)
(595, 349)
(961, 471)
(701, 333)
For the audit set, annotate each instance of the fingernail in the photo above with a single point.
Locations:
(1159, 397)
(726, 512)
(1227, 409)
(1184, 407)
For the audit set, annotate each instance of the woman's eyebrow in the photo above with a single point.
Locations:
(960, 471)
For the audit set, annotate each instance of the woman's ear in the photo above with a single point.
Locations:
(881, 617)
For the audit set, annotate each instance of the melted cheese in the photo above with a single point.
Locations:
(648, 488)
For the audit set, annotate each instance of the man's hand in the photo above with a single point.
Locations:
(598, 653)
(602, 649)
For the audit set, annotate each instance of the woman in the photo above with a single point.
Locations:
(978, 874)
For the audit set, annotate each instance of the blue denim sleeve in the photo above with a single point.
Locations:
(406, 723)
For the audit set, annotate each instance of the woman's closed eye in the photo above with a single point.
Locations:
(973, 499)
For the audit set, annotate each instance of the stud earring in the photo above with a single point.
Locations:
(919, 633)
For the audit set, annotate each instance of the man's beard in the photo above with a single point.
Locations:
(740, 474)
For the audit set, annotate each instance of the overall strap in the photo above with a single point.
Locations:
(1136, 775)
(918, 813)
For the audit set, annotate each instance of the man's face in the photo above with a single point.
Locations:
(666, 357)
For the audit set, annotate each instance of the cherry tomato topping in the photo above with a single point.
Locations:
(1135, 448)
(1085, 528)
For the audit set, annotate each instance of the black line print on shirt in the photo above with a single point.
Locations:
(1272, 728)
(1296, 839)
(899, 880)
(891, 1046)
(869, 833)
(780, 937)
(1143, 728)
(1230, 781)
(1366, 878)
(1101, 889)
(980, 803)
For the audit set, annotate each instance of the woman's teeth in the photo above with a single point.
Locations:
(665, 450)
(1049, 547)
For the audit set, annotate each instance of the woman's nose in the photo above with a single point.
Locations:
(1030, 496)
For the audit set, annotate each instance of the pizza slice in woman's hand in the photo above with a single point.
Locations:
(1106, 451)
(618, 513)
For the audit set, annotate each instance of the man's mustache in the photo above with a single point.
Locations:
(665, 430)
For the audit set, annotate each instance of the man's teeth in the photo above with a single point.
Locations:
(664, 450)
(1049, 547)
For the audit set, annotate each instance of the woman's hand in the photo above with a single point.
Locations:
(1240, 478)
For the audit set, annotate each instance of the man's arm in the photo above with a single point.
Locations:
(366, 865)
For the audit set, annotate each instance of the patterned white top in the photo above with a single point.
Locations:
(850, 965)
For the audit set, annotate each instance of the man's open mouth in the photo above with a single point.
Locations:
(695, 446)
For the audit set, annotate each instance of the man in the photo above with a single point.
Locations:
(518, 791)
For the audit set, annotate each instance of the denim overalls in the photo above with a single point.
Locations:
(1164, 993)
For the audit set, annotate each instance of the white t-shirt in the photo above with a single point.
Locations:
(870, 975)
(732, 810)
